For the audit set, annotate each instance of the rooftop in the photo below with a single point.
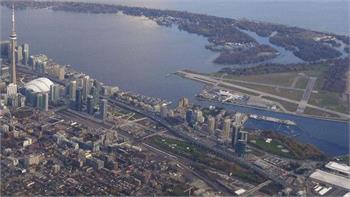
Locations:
(338, 167)
(330, 178)
(39, 85)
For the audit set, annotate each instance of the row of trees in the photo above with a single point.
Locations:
(255, 54)
(335, 76)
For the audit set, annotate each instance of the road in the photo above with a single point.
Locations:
(176, 132)
(186, 164)
(95, 123)
(92, 123)
(256, 188)
(197, 142)
(207, 79)
(204, 79)
(77, 117)
(130, 122)
(306, 96)
(153, 134)
(25, 70)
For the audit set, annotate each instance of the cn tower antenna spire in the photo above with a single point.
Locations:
(13, 18)
(13, 46)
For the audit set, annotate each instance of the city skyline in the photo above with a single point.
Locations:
(259, 129)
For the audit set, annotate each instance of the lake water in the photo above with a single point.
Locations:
(137, 54)
(321, 15)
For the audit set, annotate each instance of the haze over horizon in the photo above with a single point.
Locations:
(308, 14)
(105, 100)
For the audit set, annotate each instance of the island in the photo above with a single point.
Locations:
(72, 135)
(225, 35)
(317, 85)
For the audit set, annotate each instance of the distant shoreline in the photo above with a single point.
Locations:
(223, 34)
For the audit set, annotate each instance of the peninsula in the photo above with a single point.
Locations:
(225, 35)
(319, 81)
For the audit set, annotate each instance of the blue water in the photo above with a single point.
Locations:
(284, 56)
(321, 15)
(137, 54)
(331, 137)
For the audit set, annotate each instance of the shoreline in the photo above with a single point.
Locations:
(341, 120)
(235, 45)
(274, 111)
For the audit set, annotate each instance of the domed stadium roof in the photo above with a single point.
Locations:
(39, 85)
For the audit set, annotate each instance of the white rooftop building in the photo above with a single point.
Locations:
(338, 167)
(333, 179)
(39, 85)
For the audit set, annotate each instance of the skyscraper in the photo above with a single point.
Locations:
(185, 102)
(240, 118)
(171, 113)
(25, 60)
(42, 101)
(21, 100)
(5, 49)
(19, 53)
(199, 115)
(72, 90)
(227, 129)
(103, 109)
(86, 87)
(190, 117)
(13, 44)
(12, 96)
(235, 134)
(243, 135)
(54, 93)
(163, 111)
(79, 99)
(90, 104)
(95, 93)
(240, 148)
(12, 101)
(180, 104)
(58, 71)
(0, 69)
(211, 125)
(241, 143)
(41, 66)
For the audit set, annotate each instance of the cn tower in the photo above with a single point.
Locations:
(13, 44)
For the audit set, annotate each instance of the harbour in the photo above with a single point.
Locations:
(118, 67)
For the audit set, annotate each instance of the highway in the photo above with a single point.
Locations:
(26, 70)
(208, 79)
(94, 123)
(198, 143)
(204, 79)
(165, 124)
